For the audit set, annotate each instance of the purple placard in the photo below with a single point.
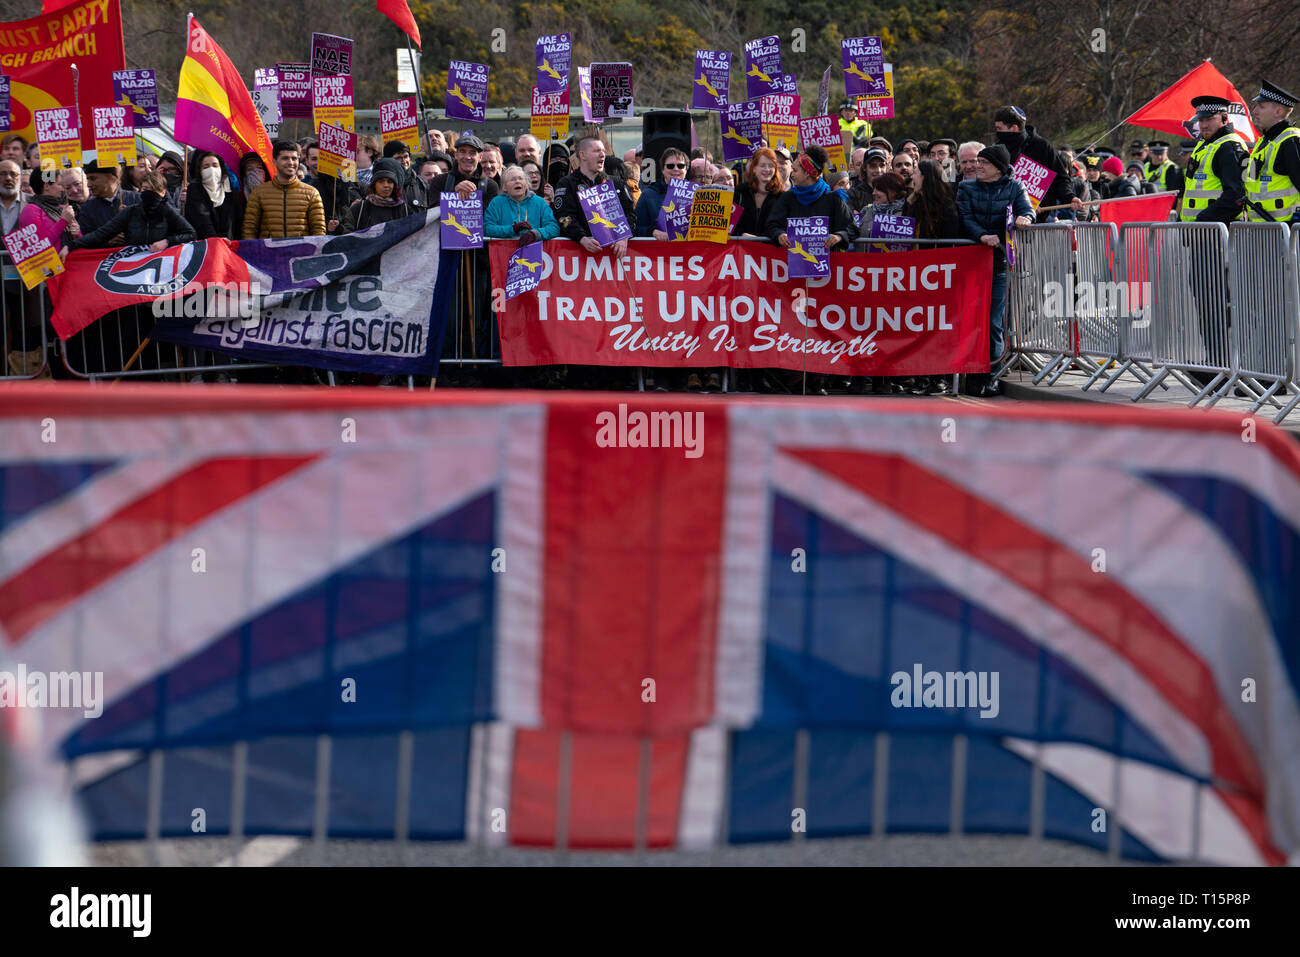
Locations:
(462, 221)
(892, 226)
(742, 128)
(824, 93)
(762, 66)
(137, 89)
(4, 104)
(863, 59)
(786, 84)
(675, 213)
(330, 54)
(604, 214)
(467, 86)
(1011, 243)
(611, 90)
(295, 90)
(584, 91)
(712, 80)
(808, 255)
(524, 274)
(554, 54)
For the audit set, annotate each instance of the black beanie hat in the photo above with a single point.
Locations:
(997, 155)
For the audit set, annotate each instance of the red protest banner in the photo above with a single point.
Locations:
(695, 304)
(39, 52)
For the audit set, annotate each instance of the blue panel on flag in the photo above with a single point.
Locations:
(762, 786)
(998, 788)
(841, 779)
(25, 488)
(411, 623)
(115, 806)
(281, 785)
(439, 784)
(1269, 549)
(920, 782)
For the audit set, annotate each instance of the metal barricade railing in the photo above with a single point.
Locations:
(1101, 297)
(1187, 264)
(1136, 349)
(1037, 283)
(23, 335)
(1293, 326)
(1262, 275)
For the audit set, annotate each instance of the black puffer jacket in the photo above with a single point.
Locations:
(143, 224)
(1029, 143)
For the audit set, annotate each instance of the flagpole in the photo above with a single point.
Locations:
(419, 97)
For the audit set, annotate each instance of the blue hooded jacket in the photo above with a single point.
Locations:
(503, 212)
(983, 210)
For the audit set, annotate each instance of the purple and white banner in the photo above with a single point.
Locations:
(524, 274)
(330, 55)
(467, 89)
(712, 81)
(4, 104)
(786, 84)
(584, 91)
(675, 213)
(554, 54)
(762, 67)
(373, 301)
(611, 90)
(808, 255)
(892, 226)
(137, 89)
(864, 66)
(462, 221)
(742, 128)
(266, 97)
(604, 214)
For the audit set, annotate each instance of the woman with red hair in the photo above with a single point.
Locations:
(761, 182)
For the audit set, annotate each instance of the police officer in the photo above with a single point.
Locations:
(1213, 192)
(1137, 152)
(858, 130)
(1163, 171)
(1273, 175)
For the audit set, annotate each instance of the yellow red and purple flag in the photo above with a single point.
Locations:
(213, 108)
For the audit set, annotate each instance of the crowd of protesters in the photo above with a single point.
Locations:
(953, 190)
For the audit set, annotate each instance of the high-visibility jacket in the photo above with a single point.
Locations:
(1273, 191)
(858, 129)
(1160, 174)
(1203, 186)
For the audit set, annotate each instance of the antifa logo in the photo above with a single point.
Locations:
(135, 271)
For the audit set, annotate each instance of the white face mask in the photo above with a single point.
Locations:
(211, 177)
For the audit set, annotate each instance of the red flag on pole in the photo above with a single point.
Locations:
(400, 13)
(1140, 209)
(1170, 109)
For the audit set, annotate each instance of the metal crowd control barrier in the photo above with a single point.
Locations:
(1136, 352)
(1098, 268)
(22, 326)
(1293, 325)
(1264, 309)
(1044, 253)
(1188, 263)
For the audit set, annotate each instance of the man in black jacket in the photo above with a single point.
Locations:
(107, 197)
(1009, 123)
(465, 178)
(810, 196)
(568, 210)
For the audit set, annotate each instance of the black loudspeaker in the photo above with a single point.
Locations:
(661, 130)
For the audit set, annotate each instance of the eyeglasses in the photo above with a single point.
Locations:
(674, 166)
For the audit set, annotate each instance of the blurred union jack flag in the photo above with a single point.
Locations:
(501, 586)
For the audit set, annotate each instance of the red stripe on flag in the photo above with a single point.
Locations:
(57, 579)
(603, 789)
(1065, 580)
(633, 567)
